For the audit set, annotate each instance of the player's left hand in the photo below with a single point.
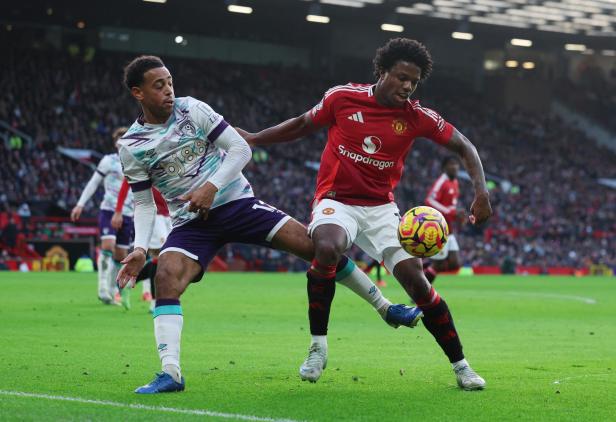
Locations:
(481, 209)
(201, 199)
(117, 220)
(133, 264)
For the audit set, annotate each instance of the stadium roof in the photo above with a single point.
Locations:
(547, 22)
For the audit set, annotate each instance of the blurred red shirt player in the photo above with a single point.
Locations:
(443, 196)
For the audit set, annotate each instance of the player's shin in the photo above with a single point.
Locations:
(168, 322)
(439, 322)
(349, 275)
(103, 263)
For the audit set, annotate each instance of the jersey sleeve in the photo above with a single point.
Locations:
(135, 172)
(433, 126)
(104, 165)
(323, 113)
(212, 123)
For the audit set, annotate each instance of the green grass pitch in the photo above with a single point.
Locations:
(545, 345)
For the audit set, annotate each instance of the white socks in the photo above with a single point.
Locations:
(320, 340)
(459, 364)
(103, 264)
(358, 281)
(146, 286)
(168, 322)
(112, 274)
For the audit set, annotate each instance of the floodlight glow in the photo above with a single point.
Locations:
(462, 36)
(575, 47)
(511, 63)
(317, 18)
(179, 39)
(528, 65)
(520, 42)
(234, 8)
(392, 28)
(347, 3)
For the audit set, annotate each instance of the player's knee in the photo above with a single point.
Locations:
(327, 252)
(168, 285)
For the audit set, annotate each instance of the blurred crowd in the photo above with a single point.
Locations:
(549, 209)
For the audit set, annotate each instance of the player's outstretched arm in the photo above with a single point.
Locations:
(87, 193)
(286, 131)
(481, 209)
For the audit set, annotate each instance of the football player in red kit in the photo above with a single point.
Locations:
(371, 128)
(443, 196)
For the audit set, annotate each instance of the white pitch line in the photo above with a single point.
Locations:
(198, 412)
(587, 300)
(581, 376)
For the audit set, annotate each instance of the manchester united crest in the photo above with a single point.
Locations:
(399, 126)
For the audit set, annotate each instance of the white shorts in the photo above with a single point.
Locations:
(450, 246)
(162, 228)
(374, 229)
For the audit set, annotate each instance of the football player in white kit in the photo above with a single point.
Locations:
(114, 242)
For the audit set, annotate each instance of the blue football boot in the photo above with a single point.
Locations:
(163, 383)
(398, 315)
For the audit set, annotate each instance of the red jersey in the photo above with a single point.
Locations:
(367, 143)
(443, 195)
(161, 204)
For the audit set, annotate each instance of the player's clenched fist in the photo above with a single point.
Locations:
(133, 264)
(200, 200)
(481, 209)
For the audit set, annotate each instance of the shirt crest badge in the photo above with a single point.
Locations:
(399, 126)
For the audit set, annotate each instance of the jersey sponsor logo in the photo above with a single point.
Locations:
(328, 211)
(399, 126)
(356, 117)
(371, 144)
(358, 158)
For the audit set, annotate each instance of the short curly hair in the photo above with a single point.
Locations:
(404, 49)
(133, 72)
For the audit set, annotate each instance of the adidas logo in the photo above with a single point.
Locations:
(357, 117)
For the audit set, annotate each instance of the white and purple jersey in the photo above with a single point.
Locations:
(110, 169)
(179, 156)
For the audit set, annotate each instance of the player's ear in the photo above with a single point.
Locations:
(137, 93)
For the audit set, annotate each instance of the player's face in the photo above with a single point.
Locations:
(451, 169)
(156, 92)
(398, 83)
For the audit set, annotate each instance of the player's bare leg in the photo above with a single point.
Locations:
(175, 272)
(293, 238)
(104, 264)
(451, 263)
(437, 319)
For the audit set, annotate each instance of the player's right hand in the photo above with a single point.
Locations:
(76, 213)
(133, 264)
(117, 220)
(481, 209)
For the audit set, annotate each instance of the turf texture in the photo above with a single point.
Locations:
(545, 345)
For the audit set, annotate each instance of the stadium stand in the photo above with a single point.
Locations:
(549, 209)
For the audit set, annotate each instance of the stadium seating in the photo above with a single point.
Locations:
(549, 210)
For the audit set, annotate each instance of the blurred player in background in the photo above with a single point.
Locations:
(443, 196)
(114, 242)
(195, 159)
(371, 128)
(162, 228)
